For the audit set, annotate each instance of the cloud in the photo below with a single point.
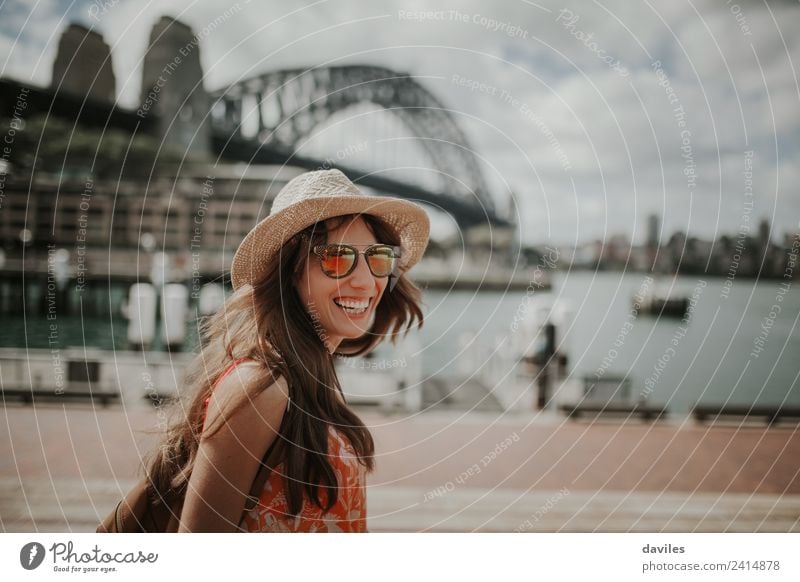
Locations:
(586, 149)
(28, 37)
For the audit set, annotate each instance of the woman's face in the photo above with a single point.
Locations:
(323, 296)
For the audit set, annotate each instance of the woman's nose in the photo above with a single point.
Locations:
(361, 277)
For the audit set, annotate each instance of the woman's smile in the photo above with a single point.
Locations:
(354, 307)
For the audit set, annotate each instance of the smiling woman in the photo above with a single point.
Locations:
(323, 274)
(341, 291)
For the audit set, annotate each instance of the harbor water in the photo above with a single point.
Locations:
(733, 347)
(710, 356)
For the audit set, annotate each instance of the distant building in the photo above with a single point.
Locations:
(83, 65)
(764, 235)
(200, 215)
(172, 88)
(652, 231)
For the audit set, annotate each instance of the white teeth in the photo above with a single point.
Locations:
(352, 306)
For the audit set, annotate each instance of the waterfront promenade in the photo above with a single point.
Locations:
(62, 467)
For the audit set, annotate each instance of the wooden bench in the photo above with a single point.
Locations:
(771, 414)
(646, 412)
(28, 395)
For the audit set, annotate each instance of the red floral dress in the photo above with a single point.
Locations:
(349, 514)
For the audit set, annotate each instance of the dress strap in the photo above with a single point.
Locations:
(227, 372)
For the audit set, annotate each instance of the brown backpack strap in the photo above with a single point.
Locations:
(269, 460)
(263, 474)
(265, 467)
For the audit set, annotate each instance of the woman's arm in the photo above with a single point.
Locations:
(228, 460)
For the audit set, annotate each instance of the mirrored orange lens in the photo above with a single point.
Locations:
(381, 262)
(337, 262)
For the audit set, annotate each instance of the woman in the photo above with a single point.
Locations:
(323, 275)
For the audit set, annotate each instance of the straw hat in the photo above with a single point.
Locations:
(315, 196)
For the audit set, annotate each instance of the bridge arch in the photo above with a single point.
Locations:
(291, 103)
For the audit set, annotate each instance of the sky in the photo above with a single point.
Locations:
(587, 116)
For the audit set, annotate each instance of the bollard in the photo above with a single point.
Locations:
(141, 312)
(174, 311)
(211, 298)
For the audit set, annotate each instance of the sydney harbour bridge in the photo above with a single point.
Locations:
(265, 119)
(398, 137)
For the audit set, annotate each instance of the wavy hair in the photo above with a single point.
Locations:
(267, 322)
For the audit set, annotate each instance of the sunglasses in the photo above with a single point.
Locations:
(338, 260)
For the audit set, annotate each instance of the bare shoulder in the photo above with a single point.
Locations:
(237, 398)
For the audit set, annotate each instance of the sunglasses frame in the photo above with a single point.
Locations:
(318, 250)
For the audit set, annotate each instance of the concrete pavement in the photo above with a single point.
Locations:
(64, 466)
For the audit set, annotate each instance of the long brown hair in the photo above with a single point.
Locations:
(268, 323)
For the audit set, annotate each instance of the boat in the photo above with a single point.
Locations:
(661, 300)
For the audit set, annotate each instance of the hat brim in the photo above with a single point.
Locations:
(258, 248)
